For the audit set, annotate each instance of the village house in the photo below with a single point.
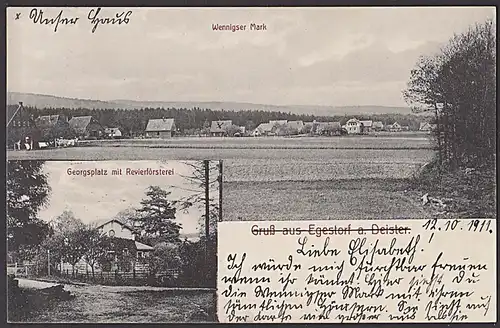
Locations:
(220, 128)
(21, 128)
(53, 127)
(163, 128)
(395, 127)
(243, 130)
(353, 126)
(123, 244)
(86, 127)
(289, 128)
(378, 126)
(298, 125)
(263, 129)
(113, 133)
(366, 126)
(308, 127)
(327, 128)
(426, 126)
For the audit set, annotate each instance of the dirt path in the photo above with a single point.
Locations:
(109, 304)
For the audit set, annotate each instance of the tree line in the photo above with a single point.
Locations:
(190, 121)
(458, 85)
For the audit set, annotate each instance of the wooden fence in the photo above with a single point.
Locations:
(120, 278)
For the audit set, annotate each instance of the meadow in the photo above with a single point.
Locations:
(288, 178)
(105, 304)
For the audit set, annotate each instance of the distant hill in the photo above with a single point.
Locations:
(45, 101)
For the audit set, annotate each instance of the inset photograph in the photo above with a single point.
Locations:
(112, 241)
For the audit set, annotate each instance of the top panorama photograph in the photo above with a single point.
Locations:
(317, 113)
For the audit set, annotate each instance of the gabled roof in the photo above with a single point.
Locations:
(265, 127)
(220, 126)
(80, 123)
(47, 121)
(100, 223)
(160, 124)
(352, 120)
(367, 123)
(299, 125)
(325, 125)
(142, 247)
(278, 122)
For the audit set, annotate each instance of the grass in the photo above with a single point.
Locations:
(414, 141)
(321, 200)
(101, 304)
(468, 194)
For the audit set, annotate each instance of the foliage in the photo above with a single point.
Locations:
(199, 263)
(157, 219)
(287, 131)
(164, 256)
(232, 130)
(66, 222)
(27, 191)
(97, 245)
(459, 86)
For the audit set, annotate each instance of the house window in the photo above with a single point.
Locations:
(111, 233)
(140, 255)
(125, 251)
(157, 133)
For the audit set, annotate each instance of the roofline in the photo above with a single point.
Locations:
(115, 220)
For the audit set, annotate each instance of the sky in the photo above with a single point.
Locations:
(305, 56)
(102, 197)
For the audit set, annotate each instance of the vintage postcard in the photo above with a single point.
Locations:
(348, 153)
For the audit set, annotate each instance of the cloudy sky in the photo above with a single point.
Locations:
(311, 56)
(102, 197)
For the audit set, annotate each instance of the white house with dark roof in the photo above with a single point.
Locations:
(353, 126)
(163, 128)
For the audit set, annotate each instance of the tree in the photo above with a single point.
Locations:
(199, 259)
(27, 191)
(97, 245)
(459, 86)
(129, 216)
(164, 256)
(66, 222)
(157, 219)
(75, 245)
(232, 129)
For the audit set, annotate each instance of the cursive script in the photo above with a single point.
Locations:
(360, 275)
(95, 17)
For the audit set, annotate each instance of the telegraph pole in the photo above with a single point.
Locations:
(220, 190)
(48, 262)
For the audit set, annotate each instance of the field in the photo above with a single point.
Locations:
(105, 304)
(288, 178)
